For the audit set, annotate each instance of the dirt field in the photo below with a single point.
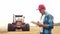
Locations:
(34, 30)
(56, 30)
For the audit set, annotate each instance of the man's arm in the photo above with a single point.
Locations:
(42, 25)
(50, 25)
(39, 24)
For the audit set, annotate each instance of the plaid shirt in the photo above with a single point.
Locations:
(48, 20)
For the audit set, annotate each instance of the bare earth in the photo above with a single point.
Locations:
(33, 30)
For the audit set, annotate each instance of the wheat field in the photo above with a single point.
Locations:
(33, 30)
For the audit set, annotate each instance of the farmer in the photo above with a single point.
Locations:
(46, 22)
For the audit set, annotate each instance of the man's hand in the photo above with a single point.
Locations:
(40, 24)
(37, 23)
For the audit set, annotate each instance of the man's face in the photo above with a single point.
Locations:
(42, 11)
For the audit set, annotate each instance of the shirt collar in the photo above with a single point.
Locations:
(46, 13)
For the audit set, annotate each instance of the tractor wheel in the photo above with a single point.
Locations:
(11, 27)
(26, 27)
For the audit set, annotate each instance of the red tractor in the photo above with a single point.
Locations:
(18, 23)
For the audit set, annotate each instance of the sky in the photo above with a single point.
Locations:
(28, 9)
